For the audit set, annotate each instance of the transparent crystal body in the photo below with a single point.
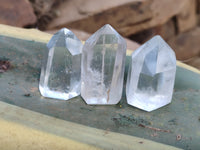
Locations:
(151, 75)
(61, 69)
(103, 64)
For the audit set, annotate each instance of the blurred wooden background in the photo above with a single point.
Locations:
(177, 21)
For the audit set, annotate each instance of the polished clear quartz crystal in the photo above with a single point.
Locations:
(151, 75)
(103, 63)
(61, 68)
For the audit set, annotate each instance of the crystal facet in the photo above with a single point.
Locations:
(61, 69)
(151, 75)
(103, 64)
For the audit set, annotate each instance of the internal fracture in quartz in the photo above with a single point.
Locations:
(61, 69)
(151, 75)
(103, 64)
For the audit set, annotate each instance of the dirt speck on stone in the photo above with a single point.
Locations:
(4, 65)
(141, 142)
(178, 137)
(27, 95)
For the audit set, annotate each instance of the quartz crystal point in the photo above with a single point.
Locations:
(61, 69)
(151, 75)
(103, 64)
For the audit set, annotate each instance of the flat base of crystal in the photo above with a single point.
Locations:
(57, 95)
(150, 105)
(103, 101)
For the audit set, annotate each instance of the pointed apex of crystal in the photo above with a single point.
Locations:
(151, 75)
(156, 53)
(103, 64)
(108, 29)
(58, 35)
(108, 26)
(106, 35)
(64, 31)
(66, 38)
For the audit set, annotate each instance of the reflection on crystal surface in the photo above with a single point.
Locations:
(61, 68)
(103, 64)
(151, 75)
